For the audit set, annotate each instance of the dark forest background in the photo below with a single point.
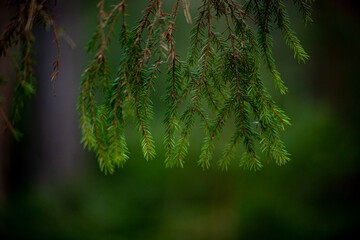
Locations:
(50, 188)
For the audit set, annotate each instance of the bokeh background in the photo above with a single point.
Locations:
(50, 188)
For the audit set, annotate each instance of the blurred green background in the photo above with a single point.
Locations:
(52, 189)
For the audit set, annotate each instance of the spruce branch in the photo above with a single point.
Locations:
(219, 79)
(18, 37)
(221, 69)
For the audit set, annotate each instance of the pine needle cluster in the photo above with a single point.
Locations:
(219, 77)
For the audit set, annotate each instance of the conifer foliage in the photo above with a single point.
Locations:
(217, 82)
(219, 77)
(16, 43)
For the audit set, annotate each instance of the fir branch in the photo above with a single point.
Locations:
(220, 69)
(214, 130)
(305, 8)
(19, 33)
(288, 34)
